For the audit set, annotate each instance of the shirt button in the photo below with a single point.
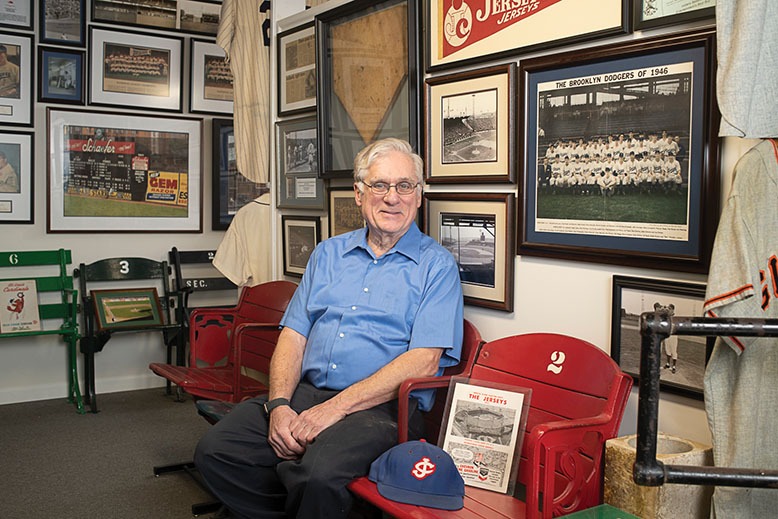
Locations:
(353, 307)
(365, 289)
(334, 366)
(341, 335)
(375, 262)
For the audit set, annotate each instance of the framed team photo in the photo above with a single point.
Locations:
(17, 176)
(683, 357)
(211, 79)
(300, 236)
(60, 75)
(470, 126)
(135, 70)
(16, 15)
(16, 79)
(658, 13)
(62, 22)
(619, 153)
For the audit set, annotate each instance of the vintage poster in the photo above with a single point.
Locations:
(20, 306)
(484, 433)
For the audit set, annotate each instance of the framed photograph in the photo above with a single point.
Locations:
(127, 309)
(60, 76)
(62, 22)
(459, 34)
(300, 235)
(231, 190)
(135, 70)
(192, 16)
(344, 215)
(368, 79)
(17, 81)
(478, 229)
(470, 117)
(658, 13)
(299, 185)
(16, 15)
(297, 70)
(211, 79)
(114, 172)
(17, 182)
(683, 358)
(619, 154)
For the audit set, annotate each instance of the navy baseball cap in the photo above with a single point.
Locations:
(419, 473)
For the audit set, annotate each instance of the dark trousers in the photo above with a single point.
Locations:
(242, 470)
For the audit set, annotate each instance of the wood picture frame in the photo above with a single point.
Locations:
(17, 177)
(368, 82)
(296, 60)
(297, 148)
(16, 92)
(300, 236)
(479, 230)
(127, 309)
(649, 14)
(631, 297)
(17, 15)
(121, 173)
(137, 70)
(460, 34)
(343, 214)
(230, 189)
(669, 225)
(470, 126)
(62, 24)
(211, 80)
(190, 16)
(60, 75)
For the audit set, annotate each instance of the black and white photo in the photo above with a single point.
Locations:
(299, 185)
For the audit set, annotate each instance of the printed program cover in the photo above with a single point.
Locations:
(20, 306)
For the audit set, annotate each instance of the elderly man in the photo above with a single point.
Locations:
(375, 306)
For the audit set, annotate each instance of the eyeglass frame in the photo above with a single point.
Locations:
(390, 186)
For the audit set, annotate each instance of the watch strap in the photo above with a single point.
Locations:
(276, 402)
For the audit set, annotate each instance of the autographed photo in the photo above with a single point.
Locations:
(617, 147)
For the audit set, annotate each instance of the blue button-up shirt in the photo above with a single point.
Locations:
(359, 312)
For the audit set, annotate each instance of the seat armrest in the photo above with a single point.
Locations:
(403, 399)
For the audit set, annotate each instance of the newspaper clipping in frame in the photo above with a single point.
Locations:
(484, 431)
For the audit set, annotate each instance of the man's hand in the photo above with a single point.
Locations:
(279, 435)
(311, 422)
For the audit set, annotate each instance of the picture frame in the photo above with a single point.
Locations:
(127, 309)
(60, 75)
(145, 74)
(479, 230)
(459, 34)
(190, 16)
(296, 60)
(674, 228)
(300, 236)
(470, 126)
(297, 148)
(649, 14)
(17, 177)
(631, 297)
(231, 190)
(123, 173)
(16, 15)
(62, 22)
(343, 214)
(16, 95)
(368, 81)
(211, 79)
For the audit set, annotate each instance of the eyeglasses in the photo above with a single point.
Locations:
(382, 188)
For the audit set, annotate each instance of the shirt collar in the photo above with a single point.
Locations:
(409, 245)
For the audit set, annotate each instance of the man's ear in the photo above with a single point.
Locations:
(357, 195)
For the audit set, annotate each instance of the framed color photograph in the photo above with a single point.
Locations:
(144, 74)
(62, 22)
(211, 79)
(470, 117)
(619, 154)
(16, 82)
(16, 15)
(297, 70)
(300, 235)
(192, 16)
(299, 186)
(17, 182)
(461, 32)
(60, 75)
(368, 79)
(127, 309)
(231, 190)
(112, 172)
(658, 13)
(683, 358)
(478, 229)
(344, 215)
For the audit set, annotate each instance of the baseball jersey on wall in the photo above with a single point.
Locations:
(741, 379)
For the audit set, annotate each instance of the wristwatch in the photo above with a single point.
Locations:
(276, 402)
